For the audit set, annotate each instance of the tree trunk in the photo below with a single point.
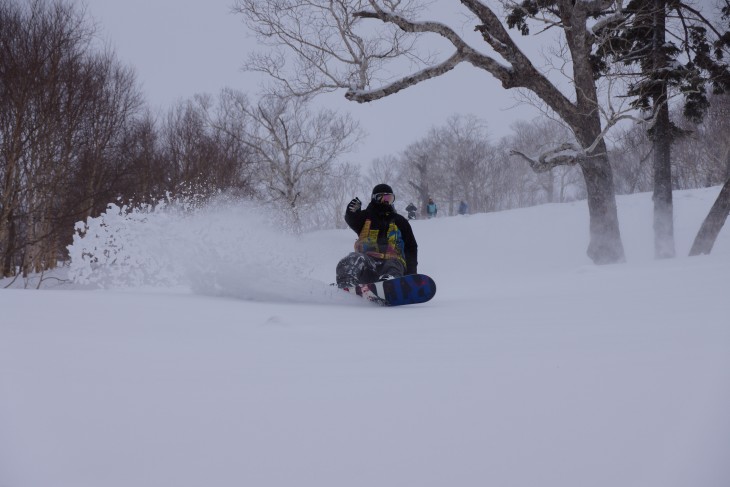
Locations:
(713, 223)
(422, 185)
(605, 246)
(9, 206)
(7, 243)
(663, 207)
(662, 141)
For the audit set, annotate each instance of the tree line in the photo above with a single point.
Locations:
(459, 160)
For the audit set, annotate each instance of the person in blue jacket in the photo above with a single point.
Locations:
(431, 208)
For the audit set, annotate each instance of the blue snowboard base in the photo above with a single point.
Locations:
(410, 289)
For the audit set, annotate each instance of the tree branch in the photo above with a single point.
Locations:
(362, 96)
(523, 73)
(566, 154)
(464, 53)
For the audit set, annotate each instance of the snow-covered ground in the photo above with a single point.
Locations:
(204, 363)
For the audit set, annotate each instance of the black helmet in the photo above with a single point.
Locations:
(382, 188)
(383, 194)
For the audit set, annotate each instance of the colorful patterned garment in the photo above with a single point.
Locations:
(389, 248)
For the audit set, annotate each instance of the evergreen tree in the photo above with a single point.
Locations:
(676, 49)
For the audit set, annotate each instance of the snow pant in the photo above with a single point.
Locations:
(358, 268)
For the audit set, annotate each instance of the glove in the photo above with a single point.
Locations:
(354, 205)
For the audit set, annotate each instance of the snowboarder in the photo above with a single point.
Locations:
(385, 247)
(411, 209)
(463, 208)
(431, 208)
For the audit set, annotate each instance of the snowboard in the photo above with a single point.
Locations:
(410, 289)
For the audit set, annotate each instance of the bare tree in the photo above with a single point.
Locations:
(630, 158)
(538, 137)
(333, 51)
(112, 103)
(145, 178)
(63, 110)
(699, 159)
(463, 154)
(418, 170)
(382, 170)
(451, 162)
(342, 183)
(187, 148)
(202, 151)
(294, 148)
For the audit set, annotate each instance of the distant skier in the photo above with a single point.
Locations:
(463, 208)
(385, 247)
(431, 208)
(411, 209)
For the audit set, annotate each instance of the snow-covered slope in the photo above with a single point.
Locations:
(220, 357)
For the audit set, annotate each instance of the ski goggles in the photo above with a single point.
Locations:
(384, 198)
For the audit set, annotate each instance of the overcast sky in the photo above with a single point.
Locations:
(183, 47)
(180, 48)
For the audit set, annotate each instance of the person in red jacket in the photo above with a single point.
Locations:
(385, 247)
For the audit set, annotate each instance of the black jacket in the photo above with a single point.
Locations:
(381, 215)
